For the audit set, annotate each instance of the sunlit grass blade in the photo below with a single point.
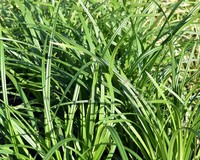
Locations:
(7, 124)
(48, 121)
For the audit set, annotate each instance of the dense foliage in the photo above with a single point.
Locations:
(99, 79)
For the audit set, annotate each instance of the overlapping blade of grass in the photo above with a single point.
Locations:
(92, 111)
(102, 134)
(48, 121)
(59, 144)
(29, 109)
(118, 143)
(7, 122)
(14, 128)
(26, 13)
(25, 130)
(25, 101)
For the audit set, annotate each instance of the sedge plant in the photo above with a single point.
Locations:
(99, 80)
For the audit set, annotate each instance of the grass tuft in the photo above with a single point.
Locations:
(99, 80)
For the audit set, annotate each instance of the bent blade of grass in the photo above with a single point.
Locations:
(139, 104)
(56, 147)
(133, 153)
(135, 136)
(144, 108)
(118, 142)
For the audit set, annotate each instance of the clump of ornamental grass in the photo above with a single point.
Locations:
(99, 80)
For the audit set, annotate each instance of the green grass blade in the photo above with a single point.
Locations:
(55, 148)
(118, 142)
(7, 124)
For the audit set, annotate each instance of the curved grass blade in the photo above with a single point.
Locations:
(118, 142)
(59, 144)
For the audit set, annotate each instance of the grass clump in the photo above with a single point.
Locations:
(99, 80)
